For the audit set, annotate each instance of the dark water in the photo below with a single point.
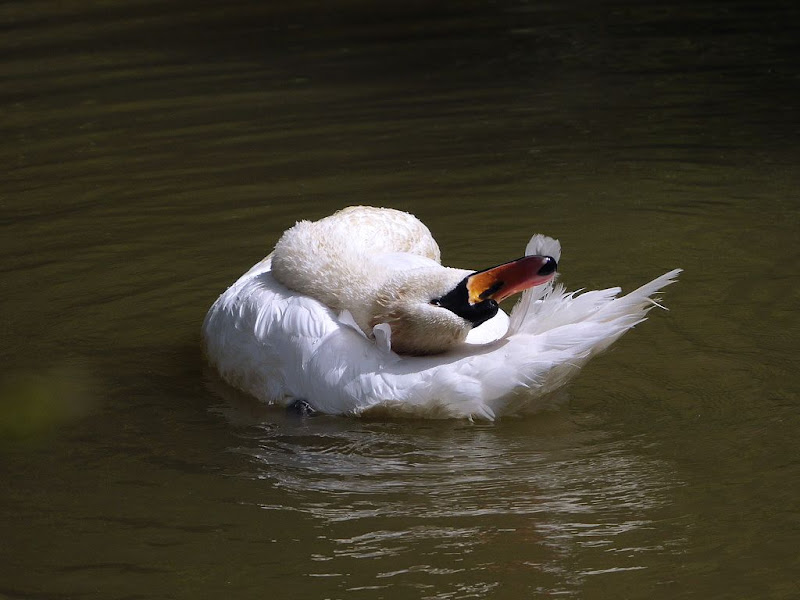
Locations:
(152, 151)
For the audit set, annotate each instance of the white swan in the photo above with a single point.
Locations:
(354, 314)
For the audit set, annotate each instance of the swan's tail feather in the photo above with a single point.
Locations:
(640, 301)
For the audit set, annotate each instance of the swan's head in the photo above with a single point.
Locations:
(432, 309)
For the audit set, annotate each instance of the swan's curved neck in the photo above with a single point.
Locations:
(338, 275)
(344, 260)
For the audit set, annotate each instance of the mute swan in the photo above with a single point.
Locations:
(355, 314)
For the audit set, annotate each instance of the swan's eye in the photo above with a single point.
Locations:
(436, 302)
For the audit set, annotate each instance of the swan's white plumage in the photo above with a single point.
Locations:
(279, 345)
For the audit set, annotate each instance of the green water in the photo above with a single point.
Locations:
(152, 152)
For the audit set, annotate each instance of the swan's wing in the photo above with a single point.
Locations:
(278, 346)
(257, 329)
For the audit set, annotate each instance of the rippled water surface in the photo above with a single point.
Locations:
(153, 151)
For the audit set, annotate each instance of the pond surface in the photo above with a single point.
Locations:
(153, 151)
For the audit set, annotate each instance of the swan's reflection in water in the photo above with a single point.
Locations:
(541, 504)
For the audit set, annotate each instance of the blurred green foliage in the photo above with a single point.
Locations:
(33, 405)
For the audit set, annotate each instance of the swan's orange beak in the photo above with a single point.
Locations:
(502, 281)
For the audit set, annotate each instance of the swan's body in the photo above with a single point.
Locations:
(331, 314)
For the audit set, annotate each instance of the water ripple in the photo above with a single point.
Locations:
(422, 501)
